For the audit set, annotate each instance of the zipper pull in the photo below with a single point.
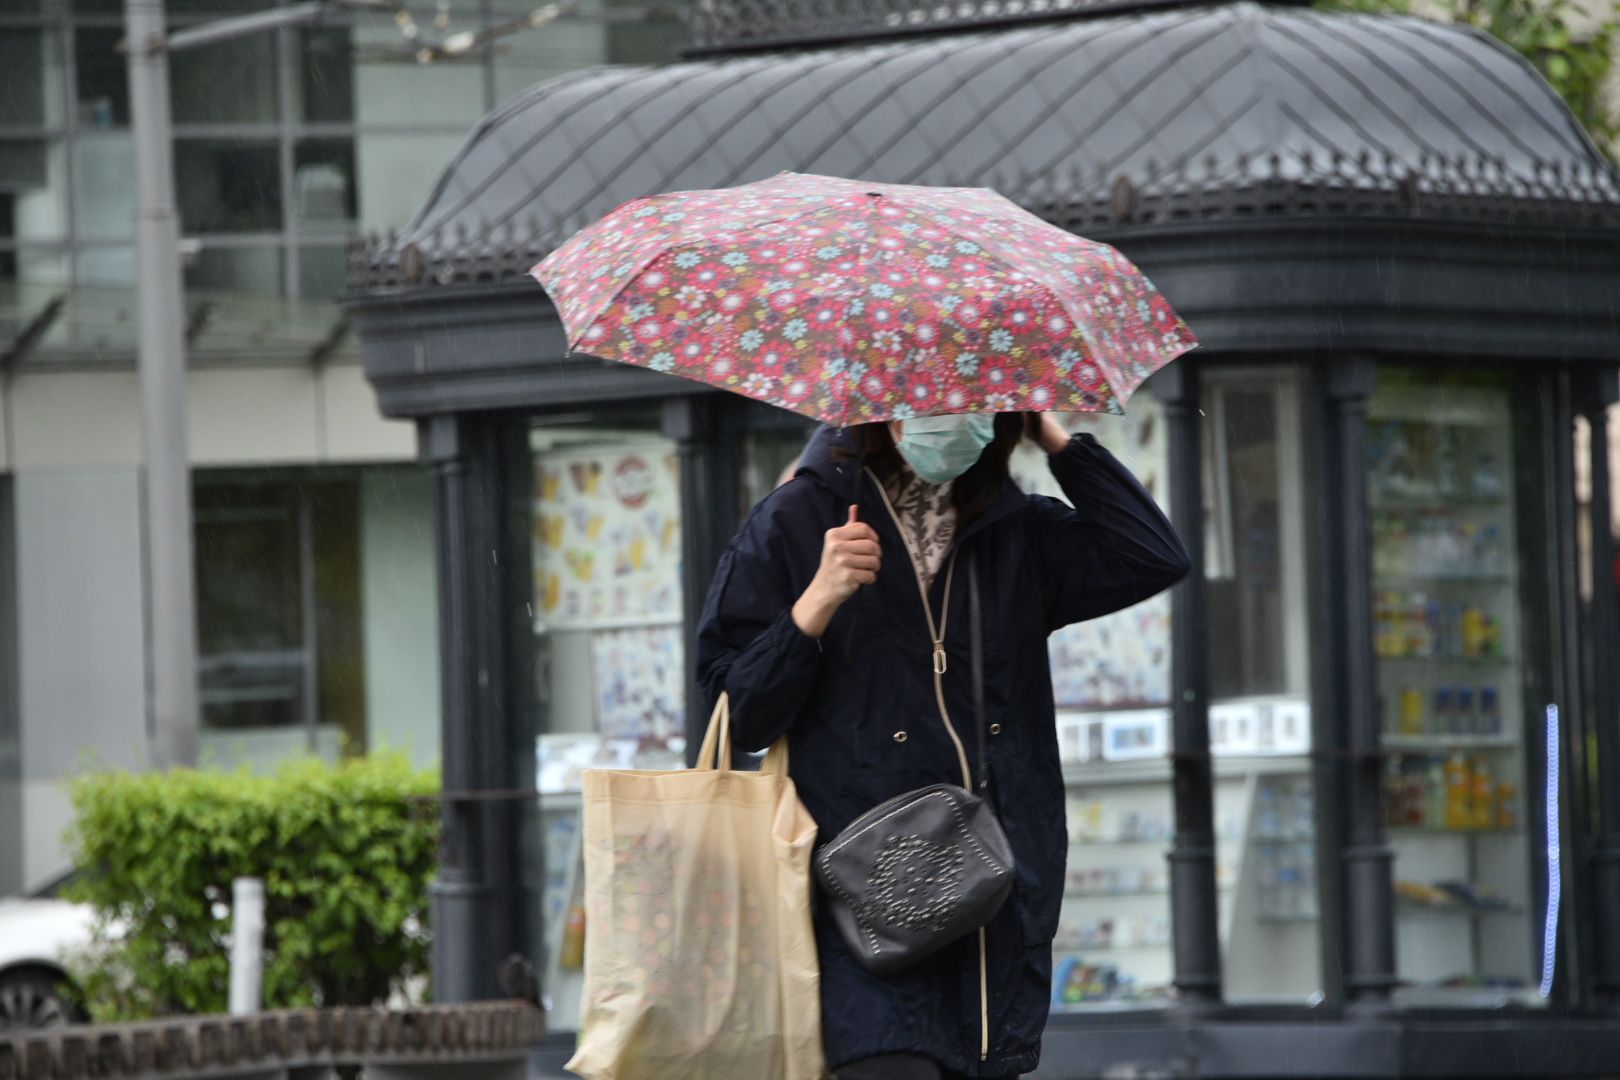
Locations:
(940, 662)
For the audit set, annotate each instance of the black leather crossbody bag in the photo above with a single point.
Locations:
(924, 869)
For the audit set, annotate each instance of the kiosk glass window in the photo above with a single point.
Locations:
(1111, 682)
(1257, 500)
(1454, 539)
(609, 642)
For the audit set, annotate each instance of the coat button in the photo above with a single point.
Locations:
(899, 736)
(995, 729)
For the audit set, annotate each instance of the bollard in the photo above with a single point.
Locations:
(247, 944)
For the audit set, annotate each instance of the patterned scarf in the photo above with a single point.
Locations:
(927, 519)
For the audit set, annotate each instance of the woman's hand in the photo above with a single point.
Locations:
(1048, 433)
(850, 558)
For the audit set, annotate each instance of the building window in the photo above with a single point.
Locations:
(278, 611)
(102, 77)
(233, 82)
(228, 185)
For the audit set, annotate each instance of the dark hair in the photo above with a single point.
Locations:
(975, 489)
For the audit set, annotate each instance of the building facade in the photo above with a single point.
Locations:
(313, 536)
(1336, 804)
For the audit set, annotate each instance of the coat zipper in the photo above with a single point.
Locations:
(941, 664)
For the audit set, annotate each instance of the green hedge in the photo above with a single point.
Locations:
(346, 853)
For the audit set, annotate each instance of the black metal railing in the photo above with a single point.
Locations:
(1101, 205)
(731, 26)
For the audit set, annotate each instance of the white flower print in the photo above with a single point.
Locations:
(734, 258)
(967, 364)
(887, 340)
(662, 361)
(641, 311)
(690, 296)
(967, 247)
(1001, 340)
(751, 340)
(687, 259)
(795, 329)
(881, 290)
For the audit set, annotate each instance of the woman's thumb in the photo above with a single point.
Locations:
(854, 513)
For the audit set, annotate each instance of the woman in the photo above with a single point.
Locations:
(816, 625)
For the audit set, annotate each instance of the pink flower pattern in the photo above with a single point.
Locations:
(851, 301)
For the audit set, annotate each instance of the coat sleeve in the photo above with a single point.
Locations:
(1113, 548)
(748, 644)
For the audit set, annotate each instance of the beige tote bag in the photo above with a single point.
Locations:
(700, 962)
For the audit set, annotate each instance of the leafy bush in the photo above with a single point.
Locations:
(345, 851)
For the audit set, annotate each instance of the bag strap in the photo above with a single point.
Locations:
(976, 631)
(718, 739)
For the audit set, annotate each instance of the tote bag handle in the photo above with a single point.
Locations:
(718, 739)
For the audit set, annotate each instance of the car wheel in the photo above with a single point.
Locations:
(31, 1001)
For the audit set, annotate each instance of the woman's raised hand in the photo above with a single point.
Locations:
(850, 557)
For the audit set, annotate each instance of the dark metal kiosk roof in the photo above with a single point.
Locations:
(1213, 121)
(1231, 94)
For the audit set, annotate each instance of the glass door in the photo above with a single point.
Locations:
(1450, 525)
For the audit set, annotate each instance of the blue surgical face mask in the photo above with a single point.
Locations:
(941, 448)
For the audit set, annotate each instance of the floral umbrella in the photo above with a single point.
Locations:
(851, 301)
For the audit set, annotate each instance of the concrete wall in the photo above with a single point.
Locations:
(81, 652)
(250, 416)
(399, 607)
(10, 793)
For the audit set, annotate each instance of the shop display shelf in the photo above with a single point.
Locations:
(1083, 951)
(1157, 770)
(1440, 743)
(1454, 911)
(1408, 833)
(1422, 503)
(1446, 661)
(1410, 581)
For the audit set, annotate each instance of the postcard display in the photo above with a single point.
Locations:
(1111, 681)
(1447, 639)
(607, 572)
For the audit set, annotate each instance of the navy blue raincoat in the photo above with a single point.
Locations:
(864, 721)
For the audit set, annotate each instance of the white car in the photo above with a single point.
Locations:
(37, 928)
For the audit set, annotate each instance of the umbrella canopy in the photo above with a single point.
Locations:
(851, 302)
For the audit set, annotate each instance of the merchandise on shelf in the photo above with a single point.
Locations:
(1436, 545)
(1115, 880)
(1457, 793)
(1450, 895)
(1411, 461)
(1409, 625)
(1460, 711)
(1090, 822)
